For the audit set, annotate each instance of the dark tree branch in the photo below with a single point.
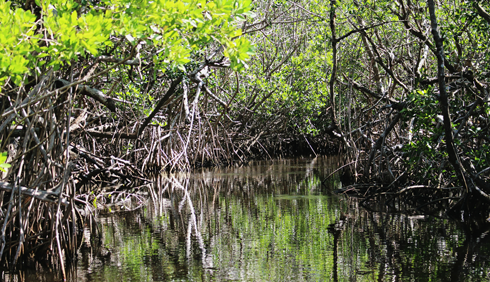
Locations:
(482, 12)
(380, 141)
(367, 91)
(443, 100)
(112, 59)
(93, 93)
(404, 18)
(171, 91)
(385, 67)
(39, 194)
(363, 29)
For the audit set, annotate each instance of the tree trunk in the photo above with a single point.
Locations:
(443, 101)
(334, 62)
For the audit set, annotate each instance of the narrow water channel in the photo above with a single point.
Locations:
(270, 221)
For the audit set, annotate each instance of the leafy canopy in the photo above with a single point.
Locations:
(67, 30)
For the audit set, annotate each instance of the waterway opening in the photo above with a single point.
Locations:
(268, 221)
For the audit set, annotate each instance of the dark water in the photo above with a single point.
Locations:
(270, 221)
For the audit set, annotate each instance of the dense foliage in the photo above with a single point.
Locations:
(102, 92)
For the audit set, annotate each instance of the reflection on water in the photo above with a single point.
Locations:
(271, 221)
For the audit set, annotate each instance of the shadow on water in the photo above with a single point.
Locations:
(270, 221)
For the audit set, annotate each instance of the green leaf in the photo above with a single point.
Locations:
(3, 158)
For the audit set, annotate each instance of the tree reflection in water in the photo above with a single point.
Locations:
(272, 221)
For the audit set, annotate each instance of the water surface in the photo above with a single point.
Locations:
(270, 221)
